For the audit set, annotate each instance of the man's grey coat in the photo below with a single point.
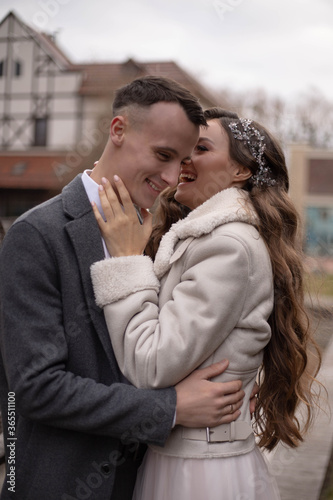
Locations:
(78, 420)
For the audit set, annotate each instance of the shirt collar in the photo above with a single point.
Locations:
(91, 188)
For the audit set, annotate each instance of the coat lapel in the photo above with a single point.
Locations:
(85, 236)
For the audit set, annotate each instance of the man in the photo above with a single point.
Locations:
(78, 421)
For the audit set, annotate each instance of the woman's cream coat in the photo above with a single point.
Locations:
(207, 297)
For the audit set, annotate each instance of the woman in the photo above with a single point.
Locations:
(226, 283)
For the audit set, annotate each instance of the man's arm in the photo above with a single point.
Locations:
(36, 349)
(35, 352)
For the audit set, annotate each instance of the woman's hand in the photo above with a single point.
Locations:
(122, 231)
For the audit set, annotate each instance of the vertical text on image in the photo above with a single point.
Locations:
(11, 442)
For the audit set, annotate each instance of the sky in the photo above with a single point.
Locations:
(282, 46)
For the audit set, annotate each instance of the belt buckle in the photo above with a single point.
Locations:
(209, 432)
(228, 433)
(209, 439)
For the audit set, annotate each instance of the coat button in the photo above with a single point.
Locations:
(105, 468)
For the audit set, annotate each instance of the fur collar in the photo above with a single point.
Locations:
(229, 205)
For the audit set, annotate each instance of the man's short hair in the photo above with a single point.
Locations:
(150, 90)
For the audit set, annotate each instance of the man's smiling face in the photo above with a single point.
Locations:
(152, 150)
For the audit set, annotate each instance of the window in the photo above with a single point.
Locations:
(17, 68)
(2, 68)
(40, 131)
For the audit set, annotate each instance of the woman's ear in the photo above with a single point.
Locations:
(241, 174)
(117, 130)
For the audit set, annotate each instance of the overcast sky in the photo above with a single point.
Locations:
(282, 46)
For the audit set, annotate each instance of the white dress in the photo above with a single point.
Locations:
(242, 477)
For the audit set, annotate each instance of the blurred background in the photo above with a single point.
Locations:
(61, 61)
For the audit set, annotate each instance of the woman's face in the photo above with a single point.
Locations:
(210, 169)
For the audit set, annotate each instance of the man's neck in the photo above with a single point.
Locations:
(104, 168)
(98, 172)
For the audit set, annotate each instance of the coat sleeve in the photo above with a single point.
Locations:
(157, 346)
(35, 353)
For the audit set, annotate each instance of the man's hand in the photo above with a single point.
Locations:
(202, 403)
(253, 398)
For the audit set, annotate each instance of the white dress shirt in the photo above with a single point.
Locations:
(91, 188)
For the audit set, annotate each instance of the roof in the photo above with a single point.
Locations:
(44, 40)
(104, 78)
(24, 171)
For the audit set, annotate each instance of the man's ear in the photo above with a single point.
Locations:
(117, 130)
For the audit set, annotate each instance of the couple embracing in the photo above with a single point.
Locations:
(114, 327)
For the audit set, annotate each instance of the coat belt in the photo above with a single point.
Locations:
(235, 431)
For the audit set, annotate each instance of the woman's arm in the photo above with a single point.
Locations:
(157, 347)
(229, 393)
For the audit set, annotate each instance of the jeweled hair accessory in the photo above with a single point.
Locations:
(255, 142)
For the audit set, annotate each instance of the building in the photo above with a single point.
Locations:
(311, 187)
(55, 115)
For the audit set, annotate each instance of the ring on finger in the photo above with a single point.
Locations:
(231, 408)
